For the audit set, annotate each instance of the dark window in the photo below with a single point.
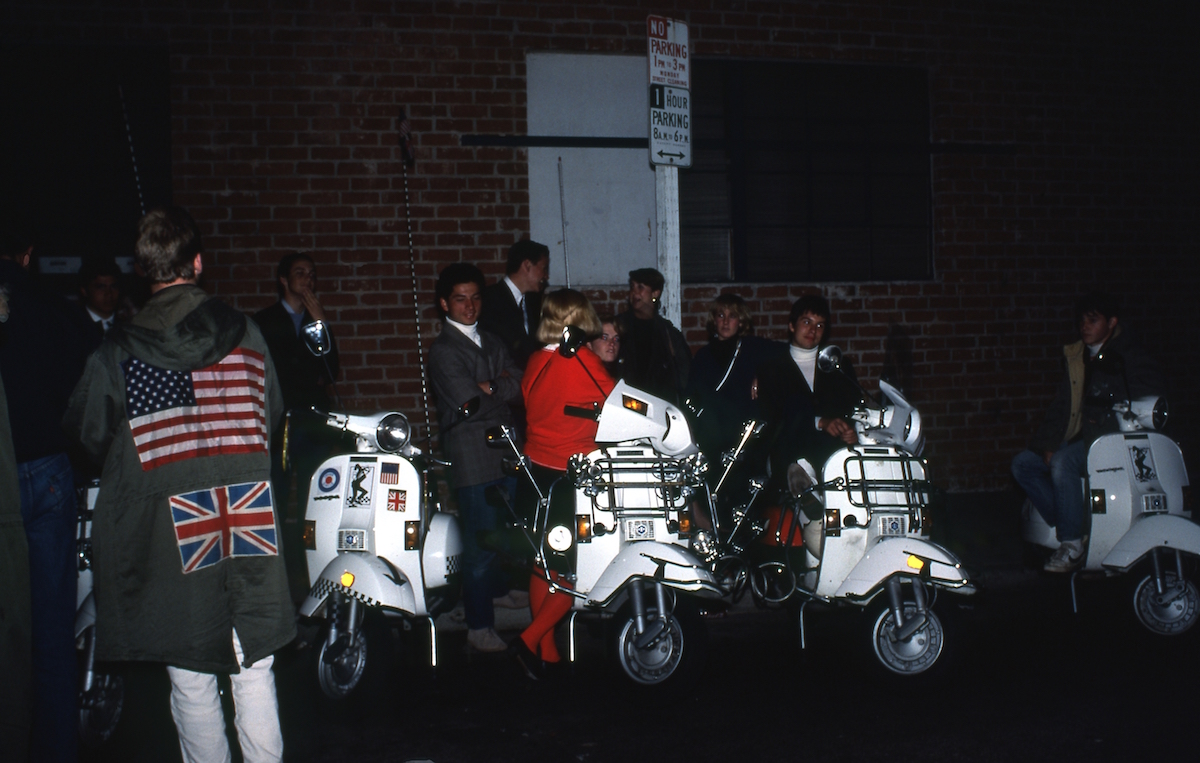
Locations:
(806, 172)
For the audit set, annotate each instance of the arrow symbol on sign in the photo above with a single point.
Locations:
(663, 153)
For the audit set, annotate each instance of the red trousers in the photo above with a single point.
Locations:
(547, 609)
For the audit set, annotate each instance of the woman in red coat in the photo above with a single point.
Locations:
(551, 384)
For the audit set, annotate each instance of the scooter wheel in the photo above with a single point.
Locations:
(100, 708)
(918, 652)
(671, 658)
(340, 665)
(1172, 613)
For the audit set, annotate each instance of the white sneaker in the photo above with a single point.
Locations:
(485, 640)
(1066, 557)
(514, 599)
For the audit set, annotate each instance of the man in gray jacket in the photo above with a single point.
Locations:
(178, 404)
(471, 368)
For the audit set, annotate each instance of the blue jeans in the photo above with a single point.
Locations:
(482, 577)
(48, 510)
(1056, 490)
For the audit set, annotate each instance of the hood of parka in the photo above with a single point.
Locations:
(181, 328)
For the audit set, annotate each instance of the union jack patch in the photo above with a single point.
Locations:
(232, 520)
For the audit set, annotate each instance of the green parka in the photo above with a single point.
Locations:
(148, 608)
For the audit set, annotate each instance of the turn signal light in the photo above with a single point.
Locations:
(915, 562)
(310, 535)
(685, 523)
(347, 579)
(583, 528)
(635, 405)
(412, 535)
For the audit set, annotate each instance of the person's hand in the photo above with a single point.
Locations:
(312, 305)
(486, 386)
(839, 428)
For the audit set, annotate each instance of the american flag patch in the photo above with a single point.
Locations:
(216, 410)
(389, 474)
(214, 524)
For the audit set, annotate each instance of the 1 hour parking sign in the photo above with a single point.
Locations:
(670, 126)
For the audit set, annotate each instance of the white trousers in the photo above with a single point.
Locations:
(196, 707)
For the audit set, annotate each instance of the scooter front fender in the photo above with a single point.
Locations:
(374, 583)
(85, 615)
(673, 566)
(1152, 531)
(890, 556)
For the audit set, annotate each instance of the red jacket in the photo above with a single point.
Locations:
(552, 382)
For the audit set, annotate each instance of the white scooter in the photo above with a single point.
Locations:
(101, 695)
(864, 533)
(1135, 488)
(374, 540)
(620, 523)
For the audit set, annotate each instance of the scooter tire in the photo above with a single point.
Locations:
(100, 708)
(1172, 615)
(359, 666)
(915, 655)
(673, 661)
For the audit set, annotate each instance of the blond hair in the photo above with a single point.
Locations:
(566, 307)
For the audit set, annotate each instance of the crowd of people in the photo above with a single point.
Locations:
(104, 389)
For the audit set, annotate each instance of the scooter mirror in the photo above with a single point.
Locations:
(573, 338)
(830, 358)
(316, 338)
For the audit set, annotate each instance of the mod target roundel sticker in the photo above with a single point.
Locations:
(328, 481)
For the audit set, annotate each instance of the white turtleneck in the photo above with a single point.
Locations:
(806, 361)
(470, 332)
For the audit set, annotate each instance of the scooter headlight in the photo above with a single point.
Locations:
(559, 538)
(392, 433)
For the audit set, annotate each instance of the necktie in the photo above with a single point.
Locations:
(524, 315)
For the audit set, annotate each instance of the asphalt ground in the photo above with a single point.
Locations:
(1022, 678)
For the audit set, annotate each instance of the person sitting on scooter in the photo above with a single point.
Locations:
(554, 383)
(1050, 470)
(810, 408)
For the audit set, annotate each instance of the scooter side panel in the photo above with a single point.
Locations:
(674, 565)
(890, 556)
(1122, 470)
(1153, 531)
(374, 584)
(442, 552)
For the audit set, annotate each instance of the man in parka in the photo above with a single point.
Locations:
(179, 404)
(1082, 410)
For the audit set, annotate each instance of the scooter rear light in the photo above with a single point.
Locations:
(310, 535)
(412, 535)
(833, 522)
(583, 528)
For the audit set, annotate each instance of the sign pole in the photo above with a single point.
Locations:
(666, 194)
(670, 81)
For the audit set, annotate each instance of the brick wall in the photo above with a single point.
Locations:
(1066, 160)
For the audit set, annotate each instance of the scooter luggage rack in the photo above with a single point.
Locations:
(871, 493)
(673, 480)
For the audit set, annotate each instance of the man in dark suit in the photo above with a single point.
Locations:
(470, 368)
(304, 379)
(99, 298)
(514, 303)
(810, 408)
